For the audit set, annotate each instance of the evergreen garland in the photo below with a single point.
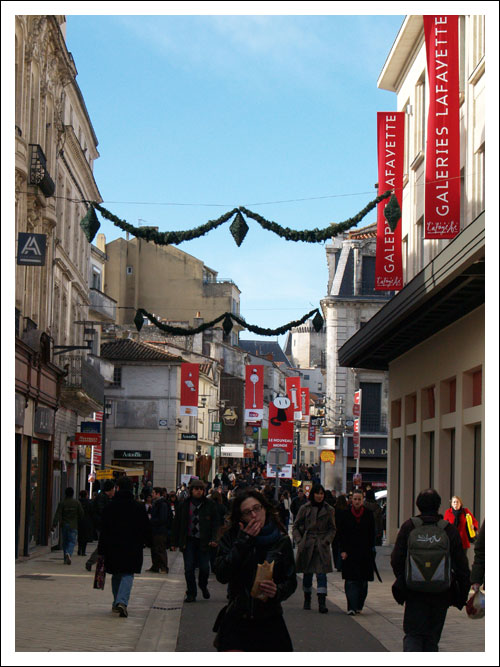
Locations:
(238, 228)
(227, 324)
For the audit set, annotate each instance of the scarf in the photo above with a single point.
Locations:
(357, 513)
(268, 535)
(456, 514)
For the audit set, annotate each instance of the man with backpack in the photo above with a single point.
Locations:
(432, 573)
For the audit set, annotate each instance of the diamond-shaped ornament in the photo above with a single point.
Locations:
(227, 324)
(138, 320)
(90, 224)
(318, 321)
(239, 228)
(392, 212)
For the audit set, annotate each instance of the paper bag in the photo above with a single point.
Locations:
(264, 573)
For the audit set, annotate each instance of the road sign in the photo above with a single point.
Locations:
(88, 438)
(277, 456)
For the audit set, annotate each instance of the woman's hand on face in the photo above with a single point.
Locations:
(269, 588)
(253, 527)
(343, 555)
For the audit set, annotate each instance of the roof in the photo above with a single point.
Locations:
(126, 349)
(265, 348)
(448, 288)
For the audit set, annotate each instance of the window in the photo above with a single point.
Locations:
(368, 275)
(419, 245)
(371, 406)
(130, 270)
(419, 129)
(117, 377)
(96, 278)
(477, 40)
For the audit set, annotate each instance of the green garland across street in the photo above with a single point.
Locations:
(227, 324)
(239, 227)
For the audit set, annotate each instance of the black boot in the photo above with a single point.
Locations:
(307, 601)
(322, 603)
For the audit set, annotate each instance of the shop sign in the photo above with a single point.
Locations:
(232, 451)
(90, 427)
(216, 427)
(44, 421)
(131, 454)
(31, 250)
(104, 474)
(189, 436)
(88, 439)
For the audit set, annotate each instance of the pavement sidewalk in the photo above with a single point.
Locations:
(57, 609)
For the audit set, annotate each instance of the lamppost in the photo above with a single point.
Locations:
(297, 445)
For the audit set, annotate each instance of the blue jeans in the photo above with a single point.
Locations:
(121, 585)
(195, 557)
(355, 592)
(69, 537)
(307, 581)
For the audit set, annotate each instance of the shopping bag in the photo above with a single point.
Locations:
(100, 574)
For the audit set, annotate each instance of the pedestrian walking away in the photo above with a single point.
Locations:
(194, 532)
(255, 559)
(68, 513)
(463, 520)
(477, 570)
(357, 549)
(313, 532)
(161, 522)
(125, 530)
(98, 505)
(374, 507)
(432, 573)
(85, 525)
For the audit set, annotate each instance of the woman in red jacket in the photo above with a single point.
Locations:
(457, 516)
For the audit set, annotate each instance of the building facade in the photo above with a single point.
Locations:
(351, 302)
(55, 149)
(430, 336)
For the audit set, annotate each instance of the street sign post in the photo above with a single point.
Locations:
(277, 458)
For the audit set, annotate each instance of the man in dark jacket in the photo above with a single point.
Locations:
(97, 509)
(299, 500)
(357, 550)
(125, 530)
(425, 613)
(68, 512)
(161, 521)
(195, 530)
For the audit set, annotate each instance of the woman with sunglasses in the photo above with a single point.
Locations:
(254, 534)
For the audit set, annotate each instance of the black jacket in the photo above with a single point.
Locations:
(125, 530)
(358, 541)
(161, 517)
(236, 565)
(456, 595)
(97, 508)
(209, 523)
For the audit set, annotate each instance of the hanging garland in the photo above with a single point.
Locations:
(227, 324)
(238, 228)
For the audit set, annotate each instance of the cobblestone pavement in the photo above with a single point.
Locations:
(57, 610)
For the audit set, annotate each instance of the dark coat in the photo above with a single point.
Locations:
(86, 524)
(296, 504)
(313, 532)
(456, 595)
(477, 570)
(161, 517)
(357, 540)
(97, 508)
(125, 530)
(374, 507)
(209, 524)
(236, 565)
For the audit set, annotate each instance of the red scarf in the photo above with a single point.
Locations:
(357, 513)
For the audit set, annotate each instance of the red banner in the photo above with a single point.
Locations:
(293, 393)
(311, 434)
(280, 433)
(356, 408)
(88, 438)
(190, 377)
(391, 149)
(254, 393)
(97, 455)
(442, 158)
(304, 403)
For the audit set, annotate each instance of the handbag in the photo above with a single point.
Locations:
(469, 525)
(475, 606)
(100, 574)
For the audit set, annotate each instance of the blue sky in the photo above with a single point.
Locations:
(212, 112)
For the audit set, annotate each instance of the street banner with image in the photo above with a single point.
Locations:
(293, 392)
(190, 377)
(304, 404)
(442, 155)
(311, 433)
(391, 148)
(254, 393)
(280, 433)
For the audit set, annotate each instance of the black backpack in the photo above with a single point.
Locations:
(428, 566)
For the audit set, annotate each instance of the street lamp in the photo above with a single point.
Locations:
(297, 444)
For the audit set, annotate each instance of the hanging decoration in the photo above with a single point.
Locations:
(227, 324)
(238, 228)
(392, 213)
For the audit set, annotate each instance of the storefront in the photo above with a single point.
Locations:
(136, 464)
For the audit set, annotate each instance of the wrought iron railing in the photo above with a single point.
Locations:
(82, 375)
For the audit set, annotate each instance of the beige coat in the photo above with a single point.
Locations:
(313, 532)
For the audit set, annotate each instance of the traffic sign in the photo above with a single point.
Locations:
(277, 456)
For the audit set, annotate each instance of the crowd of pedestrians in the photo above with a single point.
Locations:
(238, 528)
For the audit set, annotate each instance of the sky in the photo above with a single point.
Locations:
(198, 114)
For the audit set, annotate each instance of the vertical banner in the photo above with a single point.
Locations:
(356, 408)
(280, 433)
(304, 403)
(293, 393)
(311, 433)
(356, 439)
(391, 149)
(190, 376)
(442, 157)
(254, 393)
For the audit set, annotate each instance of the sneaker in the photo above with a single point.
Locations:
(122, 609)
(351, 612)
(67, 559)
(206, 593)
(115, 609)
(190, 598)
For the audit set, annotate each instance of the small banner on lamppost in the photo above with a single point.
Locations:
(293, 393)
(254, 393)
(190, 375)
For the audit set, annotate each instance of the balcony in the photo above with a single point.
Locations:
(83, 386)
(102, 306)
(39, 174)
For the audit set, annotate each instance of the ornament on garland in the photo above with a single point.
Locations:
(227, 324)
(392, 212)
(238, 228)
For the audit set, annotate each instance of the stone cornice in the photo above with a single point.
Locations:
(84, 175)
